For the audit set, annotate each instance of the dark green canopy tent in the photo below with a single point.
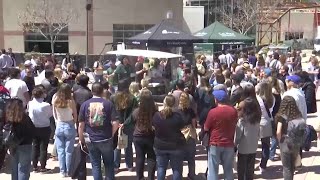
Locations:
(217, 33)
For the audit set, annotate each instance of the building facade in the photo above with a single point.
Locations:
(110, 21)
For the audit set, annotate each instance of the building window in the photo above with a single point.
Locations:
(293, 35)
(125, 31)
(35, 41)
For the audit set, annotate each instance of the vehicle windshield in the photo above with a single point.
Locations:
(317, 41)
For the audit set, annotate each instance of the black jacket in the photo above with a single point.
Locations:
(310, 95)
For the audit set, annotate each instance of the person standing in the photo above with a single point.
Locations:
(49, 75)
(97, 119)
(247, 136)
(140, 71)
(143, 135)
(113, 80)
(124, 103)
(98, 71)
(40, 113)
(17, 87)
(24, 129)
(169, 142)
(65, 114)
(290, 133)
(66, 61)
(124, 69)
(5, 60)
(221, 124)
(13, 57)
(266, 102)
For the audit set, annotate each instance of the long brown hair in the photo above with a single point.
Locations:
(122, 100)
(14, 111)
(184, 101)
(289, 109)
(167, 110)
(146, 110)
(63, 96)
(264, 90)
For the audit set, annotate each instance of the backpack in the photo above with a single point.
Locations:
(295, 136)
(3, 99)
(310, 135)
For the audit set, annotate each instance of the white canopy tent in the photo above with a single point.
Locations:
(145, 53)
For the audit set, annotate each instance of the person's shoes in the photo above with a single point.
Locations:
(262, 170)
(45, 170)
(63, 175)
(130, 169)
(35, 170)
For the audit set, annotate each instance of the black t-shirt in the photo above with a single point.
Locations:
(139, 67)
(81, 95)
(138, 131)
(168, 134)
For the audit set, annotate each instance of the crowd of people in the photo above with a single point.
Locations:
(237, 100)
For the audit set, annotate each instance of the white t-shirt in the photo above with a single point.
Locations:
(17, 88)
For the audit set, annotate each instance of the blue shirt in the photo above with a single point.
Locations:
(97, 114)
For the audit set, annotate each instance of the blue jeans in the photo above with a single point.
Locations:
(176, 162)
(98, 78)
(265, 147)
(65, 139)
(273, 148)
(21, 163)
(220, 155)
(128, 152)
(104, 149)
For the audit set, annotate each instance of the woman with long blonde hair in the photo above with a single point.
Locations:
(19, 122)
(266, 101)
(65, 115)
(189, 132)
(169, 142)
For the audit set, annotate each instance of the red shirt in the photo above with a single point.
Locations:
(221, 124)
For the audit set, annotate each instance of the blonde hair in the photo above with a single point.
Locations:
(184, 101)
(14, 110)
(69, 67)
(144, 83)
(63, 96)
(58, 73)
(134, 88)
(122, 100)
(264, 90)
(168, 106)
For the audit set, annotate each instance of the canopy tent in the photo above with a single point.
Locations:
(145, 53)
(218, 33)
(164, 34)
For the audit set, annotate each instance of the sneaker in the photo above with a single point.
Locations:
(262, 170)
(45, 170)
(130, 169)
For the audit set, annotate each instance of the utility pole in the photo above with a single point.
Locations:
(88, 8)
(208, 13)
(232, 13)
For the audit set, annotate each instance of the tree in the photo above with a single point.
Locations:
(243, 15)
(47, 17)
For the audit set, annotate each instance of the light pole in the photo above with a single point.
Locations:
(232, 8)
(88, 8)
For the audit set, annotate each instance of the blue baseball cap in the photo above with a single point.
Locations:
(220, 95)
(267, 71)
(294, 78)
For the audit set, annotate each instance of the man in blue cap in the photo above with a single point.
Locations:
(221, 123)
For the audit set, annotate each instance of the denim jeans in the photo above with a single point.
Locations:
(189, 155)
(143, 147)
(98, 78)
(220, 155)
(176, 162)
(273, 148)
(21, 163)
(40, 146)
(245, 166)
(288, 160)
(65, 139)
(265, 147)
(128, 152)
(102, 149)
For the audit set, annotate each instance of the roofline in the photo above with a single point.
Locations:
(294, 8)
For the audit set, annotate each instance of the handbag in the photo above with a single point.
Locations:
(189, 132)
(10, 139)
(122, 139)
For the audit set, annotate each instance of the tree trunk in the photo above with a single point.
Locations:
(52, 46)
